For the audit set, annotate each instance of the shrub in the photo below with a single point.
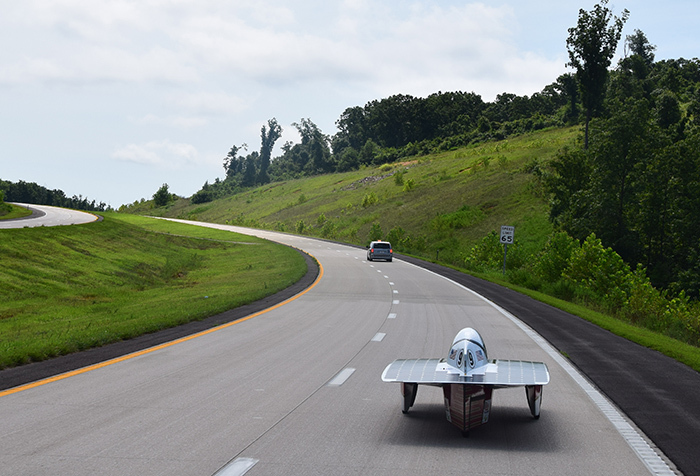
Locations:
(462, 218)
(202, 196)
(601, 272)
(328, 230)
(397, 237)
(369, 199)
(162, 197)
(555, 257)
(488, 255)
(375, 232)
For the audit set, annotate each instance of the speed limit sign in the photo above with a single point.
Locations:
(507, 235)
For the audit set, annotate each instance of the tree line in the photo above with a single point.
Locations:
(30, 192)
(386, 130)
(635, 180)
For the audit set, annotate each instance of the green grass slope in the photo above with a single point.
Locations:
(65, 289)
(445, 202)
(9, 211)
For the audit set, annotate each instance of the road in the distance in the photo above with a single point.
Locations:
(45, 215)
(263, 394)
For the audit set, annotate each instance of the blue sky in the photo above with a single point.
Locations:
(112, 98)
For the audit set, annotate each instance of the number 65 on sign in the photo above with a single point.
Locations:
(507, 235)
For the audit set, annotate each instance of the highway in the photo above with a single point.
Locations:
(297, 390)
(45, 215)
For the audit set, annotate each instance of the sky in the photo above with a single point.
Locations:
(110, 99)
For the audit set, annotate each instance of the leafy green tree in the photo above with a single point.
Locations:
(350, 160)
(568, 88)
(623, 143)
(591, 45)
(317, 145)
(162, 197)
(234, 163)
(250, 169)
(268, 135)
(352, 128)
(667, 110)
(639, 45)
(5, 208)
(368, 152)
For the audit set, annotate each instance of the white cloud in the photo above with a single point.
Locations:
(205, 102)
(386, 46)
(162, 154)
(182, 122)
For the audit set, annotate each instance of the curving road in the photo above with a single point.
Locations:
(297, 390)
(45, 215)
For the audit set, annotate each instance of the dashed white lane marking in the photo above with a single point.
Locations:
(237, 467)
(391, 315)
(378, 337)
(395, 301)
(342, 376)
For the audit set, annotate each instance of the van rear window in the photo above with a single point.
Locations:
(383, 246)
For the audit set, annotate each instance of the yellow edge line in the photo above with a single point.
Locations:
(116, 360)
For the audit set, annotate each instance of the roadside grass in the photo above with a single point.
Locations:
(680, 351)
(491, 179)
(9, 211)
(66, 289)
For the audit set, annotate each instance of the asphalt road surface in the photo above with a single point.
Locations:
(45, 215)
(297, 390)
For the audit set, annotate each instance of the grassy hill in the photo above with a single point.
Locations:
(446, 201)
(70, 288)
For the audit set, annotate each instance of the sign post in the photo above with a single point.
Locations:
(507, 238)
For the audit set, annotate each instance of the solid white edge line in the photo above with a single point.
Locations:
(237, 467)
(649, 456)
